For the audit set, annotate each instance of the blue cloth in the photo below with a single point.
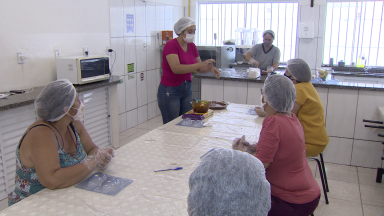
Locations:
(26, 179)
(174, 101)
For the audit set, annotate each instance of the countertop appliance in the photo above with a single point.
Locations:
(223, 55)
(83, 70)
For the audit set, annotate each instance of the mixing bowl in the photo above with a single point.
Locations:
(200, 106)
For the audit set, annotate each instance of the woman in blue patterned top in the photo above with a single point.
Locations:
(56, 150)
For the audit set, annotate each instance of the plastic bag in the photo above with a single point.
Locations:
(105, 184)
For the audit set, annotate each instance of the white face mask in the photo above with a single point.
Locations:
(80, 113)
(189, 38)
(261, 103)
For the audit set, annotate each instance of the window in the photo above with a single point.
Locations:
(224, 18)
(353, 30)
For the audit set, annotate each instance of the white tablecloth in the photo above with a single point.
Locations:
(151, 193)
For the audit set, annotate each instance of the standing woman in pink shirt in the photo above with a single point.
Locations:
(281, 149)
(180, 59)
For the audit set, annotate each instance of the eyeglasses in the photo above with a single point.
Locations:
(289, 77)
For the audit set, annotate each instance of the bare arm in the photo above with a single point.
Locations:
(275, 65)
(296, 108)
(177, 68)
(208, 68)
(88, 145)
(45, 158)
(249, 58)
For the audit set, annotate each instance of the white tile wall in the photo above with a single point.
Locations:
(140, 27)
(130, 92)
(142, 91)
(307, 51)
(150, 20)
(122, 122)
(129, 53)
(151, 53)
(152, 86)
(116, 17)
(138, 98)
(141, 54)
(152, 110)
(160, 16)
(121, 96)
(158, 55)
(117, 65)
(132, 118)
(142, 114)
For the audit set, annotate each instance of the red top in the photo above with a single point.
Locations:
(282, 144)
(173, 47)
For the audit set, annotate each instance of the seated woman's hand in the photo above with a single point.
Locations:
(260, 112)
(237, 144)
(100, 158)
(250, 148)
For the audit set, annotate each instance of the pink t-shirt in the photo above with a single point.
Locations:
(173, 47)
(282, 144)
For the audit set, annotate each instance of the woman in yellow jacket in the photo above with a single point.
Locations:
(308, 107)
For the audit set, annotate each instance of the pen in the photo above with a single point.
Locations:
(177, 168)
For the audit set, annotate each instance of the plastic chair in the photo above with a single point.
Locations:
(323, 175)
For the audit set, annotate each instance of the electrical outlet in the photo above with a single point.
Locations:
(20, 58)
(57, 53)
(85, 50)
(108, 53)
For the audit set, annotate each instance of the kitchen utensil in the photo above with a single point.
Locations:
(200, 106)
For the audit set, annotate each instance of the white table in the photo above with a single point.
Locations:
(160, 193)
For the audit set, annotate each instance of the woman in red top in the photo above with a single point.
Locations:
(180, 59)
(281, 148)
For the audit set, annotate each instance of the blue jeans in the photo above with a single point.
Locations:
(174, 101)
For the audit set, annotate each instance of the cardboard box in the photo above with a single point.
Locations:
(166, 36)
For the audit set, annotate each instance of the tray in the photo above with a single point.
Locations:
(218, 105)
(206, 115)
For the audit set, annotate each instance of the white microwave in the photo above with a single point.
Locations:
(83, 70)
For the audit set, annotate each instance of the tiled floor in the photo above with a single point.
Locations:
(352, 190)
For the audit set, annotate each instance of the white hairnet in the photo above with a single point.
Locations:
(182, 24)
(280, 93)
(51, 101)
(269, 32)
(229, 182)
(299, 69)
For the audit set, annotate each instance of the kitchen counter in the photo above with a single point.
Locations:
(19, 100)
(358, 74)
(328, 84)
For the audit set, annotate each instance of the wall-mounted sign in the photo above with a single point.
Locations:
(130, 67)
(130, 23)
